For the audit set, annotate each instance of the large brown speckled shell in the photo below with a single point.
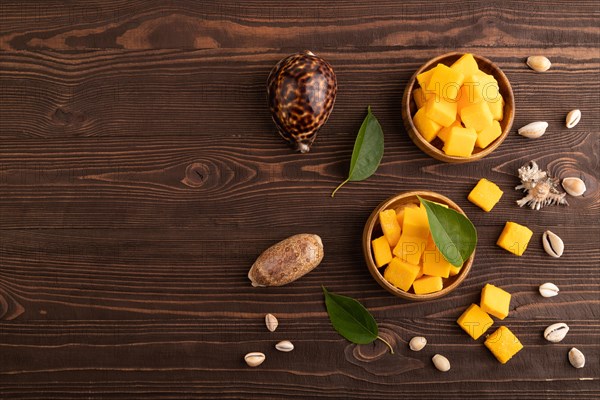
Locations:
(301, 92)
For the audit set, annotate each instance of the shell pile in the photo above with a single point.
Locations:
(541, 189)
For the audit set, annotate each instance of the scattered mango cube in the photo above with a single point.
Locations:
(382, 251)
(514, 238)
(428, 284)
(495, 301)
(410, 248)
(445, 82)
(389, 226)
(415, 222)
(485, 194)
(460, 142)
(427, 127)
(401, 274)
(477, 116)
(503, 344)
(441, 111)
(475, 321)
(488, 135)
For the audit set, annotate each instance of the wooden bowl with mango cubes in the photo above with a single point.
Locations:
(458, 107)
(411, 269)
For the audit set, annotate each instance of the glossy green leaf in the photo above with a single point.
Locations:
(368, 151)
(351, 319)
(453, 233)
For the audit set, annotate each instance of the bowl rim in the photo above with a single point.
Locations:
(432, 150)
(368, 254)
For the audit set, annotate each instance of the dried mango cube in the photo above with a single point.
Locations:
(428, 284)
(466, 65)
(389, 226)
(514, 238)
(415, 222)
(434, 263)
(495, 301)
(410, 248)
(497, 107)
(445, 82)
(503, 344)
(460, 142)
(477, 116)
(401, 274)
(381, 251)
(441, 111)
(485, 194)
(427, 127)
(475, 321)
(488, 135)
(443, 133)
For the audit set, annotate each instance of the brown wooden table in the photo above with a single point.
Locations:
(141, 176)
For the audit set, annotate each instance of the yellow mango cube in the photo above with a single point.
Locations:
(477, 116)
(445, 82)
(419, 97)
(389, 226)
(425, 125)
(443, 133)
(495, 301)
(410, 248)
(401, 274)
(434, 263)
(503, 344)
(485, 194)
(486, 85)
(460, 142)
(424, 78)
(497, 107)
(475, 321)
(415, 222)
(381, 251)
(454, 270)
(400, 213)
(428, 284)
(441, 111)
(468, 95)
(420, 274)
(466, 65)
(488, 135)
(514, 238)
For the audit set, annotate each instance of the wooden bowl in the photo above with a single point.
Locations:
(434, 149)
(373, 230)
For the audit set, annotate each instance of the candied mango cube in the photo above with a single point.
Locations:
(514, 238)
(426, 126)
(460, 142)
(424, 78)
(381, 251)
(477, 116)
(434, 263)
(415, 222)
(428, 284)
(410, 248)
(497, 107)
(443, 133)
(389, 226)
(485, 194)
(441, 111)
(401, 274)
(488, 135)
(466, 65)
(495, 301)
(445, 82)
(475, 321)
(503, 344)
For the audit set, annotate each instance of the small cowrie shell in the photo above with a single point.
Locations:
(285, 346)
(553, 245)
(254, 359)
(549, 289)
(574, 186)
(441, 363)
(271, 322)
(417, 343)
(539, 63)
(534, 130)
(556, 332)
(576, 358)
(573, 118)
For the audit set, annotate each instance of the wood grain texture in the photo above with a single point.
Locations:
(141, 175)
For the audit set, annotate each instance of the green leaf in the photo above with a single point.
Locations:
(351, 319)
(368, 151)
(453, 233)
